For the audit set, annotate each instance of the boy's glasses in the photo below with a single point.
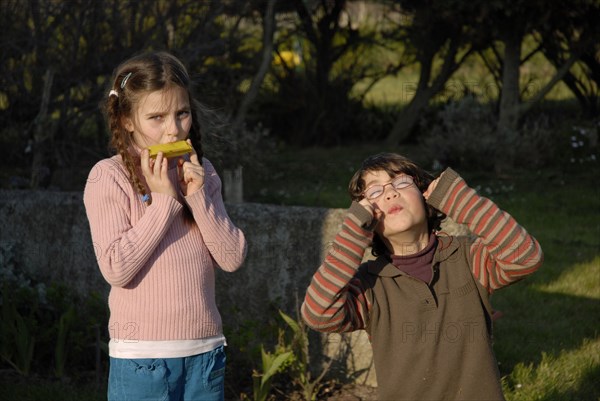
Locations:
(400, 182)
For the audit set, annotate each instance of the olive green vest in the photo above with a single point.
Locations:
(431, 342)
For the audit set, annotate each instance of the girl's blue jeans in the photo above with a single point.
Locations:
(193, 378)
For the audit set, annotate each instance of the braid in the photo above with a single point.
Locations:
(121, 142)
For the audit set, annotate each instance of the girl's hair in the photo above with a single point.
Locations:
(133, 79)
(393, 164)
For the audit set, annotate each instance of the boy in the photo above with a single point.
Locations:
(424, 300)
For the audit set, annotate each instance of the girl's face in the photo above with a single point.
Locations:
(402, 209)
(162, 116)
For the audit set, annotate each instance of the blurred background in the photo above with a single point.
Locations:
(478, 84)
(301, 91)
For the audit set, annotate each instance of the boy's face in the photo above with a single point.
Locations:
(402, 209)
(161, 117)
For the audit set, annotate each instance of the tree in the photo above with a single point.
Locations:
(266, 59)
(561, 26)
(433, 31)
(574, 32)
(59, 56)
(308, 98)
(319, 24)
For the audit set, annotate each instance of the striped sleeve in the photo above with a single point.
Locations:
(335, 300)
(503, 252)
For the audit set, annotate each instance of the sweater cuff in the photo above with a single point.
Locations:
(447, 179)
(362, 215)
(166, 201)
(197, 200)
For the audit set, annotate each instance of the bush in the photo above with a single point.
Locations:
(299, 116)
(462, 134)
(41, 330)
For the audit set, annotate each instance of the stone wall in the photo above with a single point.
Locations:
(49, 236)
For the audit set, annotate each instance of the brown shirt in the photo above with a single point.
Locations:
(431, 342)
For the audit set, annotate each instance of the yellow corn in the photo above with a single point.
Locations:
(170, 149)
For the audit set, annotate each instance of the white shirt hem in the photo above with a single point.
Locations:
(128, 349)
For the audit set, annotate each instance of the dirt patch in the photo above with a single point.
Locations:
(353, 392)
(331, 391)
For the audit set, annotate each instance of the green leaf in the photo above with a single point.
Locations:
(279, 360)
(291, 322)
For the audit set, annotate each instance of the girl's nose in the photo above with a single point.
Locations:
(173, 127)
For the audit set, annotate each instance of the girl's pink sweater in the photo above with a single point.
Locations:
(161, 267)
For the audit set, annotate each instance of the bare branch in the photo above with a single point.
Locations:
(268, 28)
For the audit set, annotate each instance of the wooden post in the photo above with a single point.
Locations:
(233, 185)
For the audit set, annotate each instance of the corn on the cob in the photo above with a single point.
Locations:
(170, 149)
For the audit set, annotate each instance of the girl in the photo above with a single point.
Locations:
(160, 229)
(424, 300)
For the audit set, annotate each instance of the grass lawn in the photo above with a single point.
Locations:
(308, 177)
(548, 342)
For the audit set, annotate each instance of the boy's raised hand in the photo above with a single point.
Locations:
(191, 173)
(372, 208)
(431, 187)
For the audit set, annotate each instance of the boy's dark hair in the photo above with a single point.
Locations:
(394, 164)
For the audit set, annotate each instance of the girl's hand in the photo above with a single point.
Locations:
(431, 187)
(191, 173)
(156, 173)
